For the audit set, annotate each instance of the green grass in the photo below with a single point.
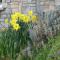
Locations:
(49, 51)
(8, 48)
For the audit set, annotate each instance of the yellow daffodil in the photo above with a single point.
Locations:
(22, 16)
(17, 13)
(26, 19)
(16, 27)
(6, 21)
(30, 13)
(34, 18)
(13, 16)
(12, 22)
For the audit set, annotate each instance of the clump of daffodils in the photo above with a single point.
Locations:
(17, 16)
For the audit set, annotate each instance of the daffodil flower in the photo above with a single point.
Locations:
(18, 14)
(6, 21)
(13, 17)
(12, 22)
(16, 27)
(26, 19)
(34, 18)
(30, 13)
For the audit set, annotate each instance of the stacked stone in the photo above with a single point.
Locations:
(28, 5)
(21, 5)
(15, 5)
